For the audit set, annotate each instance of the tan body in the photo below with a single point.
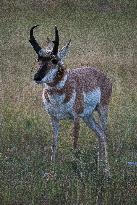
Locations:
(78, 83)
(77, 95)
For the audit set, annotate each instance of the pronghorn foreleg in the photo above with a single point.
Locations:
(102, 148)
(55, 126)
(75, 131)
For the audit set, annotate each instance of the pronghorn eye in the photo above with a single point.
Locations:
(43, 59)
(54, 61)
(39, 58)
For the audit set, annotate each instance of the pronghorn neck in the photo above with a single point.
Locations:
(59, 79)
(62, 82)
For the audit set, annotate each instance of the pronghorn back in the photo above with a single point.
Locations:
(89, 79)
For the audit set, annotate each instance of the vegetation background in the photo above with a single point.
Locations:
(104, 35)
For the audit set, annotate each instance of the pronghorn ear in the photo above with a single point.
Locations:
(63, 52)
(50, 44)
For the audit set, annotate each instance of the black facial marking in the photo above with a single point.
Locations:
(54, 61)
(45, 66)
(44, 59)
(41, 73)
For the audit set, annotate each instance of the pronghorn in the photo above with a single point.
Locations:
(73, 94)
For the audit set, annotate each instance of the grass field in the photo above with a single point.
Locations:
(103, 35)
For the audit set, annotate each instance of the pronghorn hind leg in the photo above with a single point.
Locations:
(103, 115)
(55, 126)
(103, 163)
(75, 131)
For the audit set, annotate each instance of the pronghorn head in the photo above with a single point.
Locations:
(50, 59)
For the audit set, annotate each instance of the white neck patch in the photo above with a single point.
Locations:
(62, 82)
(50, 76)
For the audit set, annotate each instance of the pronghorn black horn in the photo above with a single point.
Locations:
(56, 42)
(33, 41)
